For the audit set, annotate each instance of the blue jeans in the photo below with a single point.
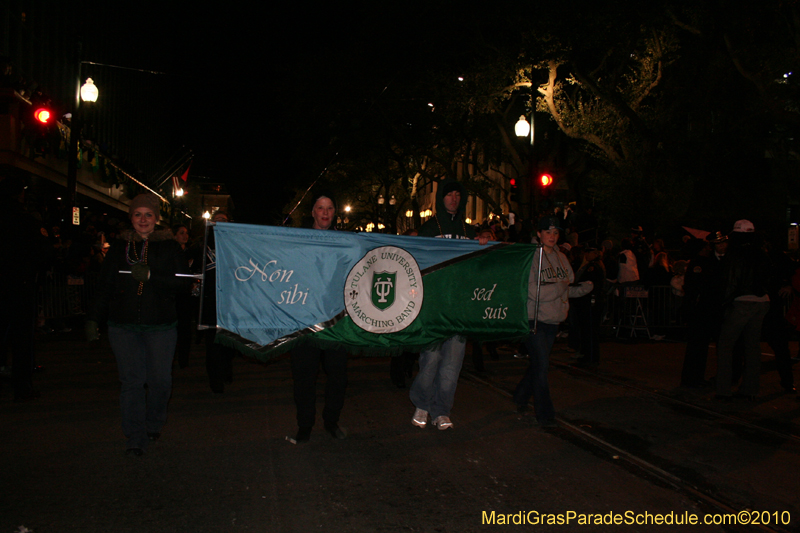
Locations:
(534, 382)
(143, 359)
(434, 388)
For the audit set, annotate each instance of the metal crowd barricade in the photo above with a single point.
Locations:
(61, 295)
(657, 308)
(633, 316)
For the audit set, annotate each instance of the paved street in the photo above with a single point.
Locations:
(629, 441)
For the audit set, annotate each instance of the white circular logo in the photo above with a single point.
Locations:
(383, 291)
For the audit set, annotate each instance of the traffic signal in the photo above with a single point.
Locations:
(43, 131)
(545, 184)
(514, 193)
(43, 115)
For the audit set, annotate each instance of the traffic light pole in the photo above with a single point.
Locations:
(74, 138)
(72, 162)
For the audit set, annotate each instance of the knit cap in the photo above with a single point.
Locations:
(148, 200)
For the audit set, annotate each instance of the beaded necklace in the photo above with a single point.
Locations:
(137, 258)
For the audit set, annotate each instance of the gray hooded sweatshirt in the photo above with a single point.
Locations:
(555, 290)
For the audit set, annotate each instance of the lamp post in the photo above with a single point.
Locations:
(522, 128)
(88, 93)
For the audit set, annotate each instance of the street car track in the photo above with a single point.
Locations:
(638, 464)
(709, 412)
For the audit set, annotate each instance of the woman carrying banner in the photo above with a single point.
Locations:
(136, 295)
(548, 305)
(306, 359)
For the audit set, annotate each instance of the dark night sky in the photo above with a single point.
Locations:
(257, 88)
(246, 78)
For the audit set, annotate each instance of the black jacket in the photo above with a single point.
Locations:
(117, 299)
(747, 269)
(703, 284)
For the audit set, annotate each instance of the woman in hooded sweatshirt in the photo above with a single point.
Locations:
(136, 296)
(548, 305)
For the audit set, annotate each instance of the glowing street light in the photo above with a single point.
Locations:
(89, 91)
(522, 127)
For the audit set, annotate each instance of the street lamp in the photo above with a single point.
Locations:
(522, 127)
(89, 91)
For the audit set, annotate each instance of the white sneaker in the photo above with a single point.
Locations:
(420, 418)
(443, 422)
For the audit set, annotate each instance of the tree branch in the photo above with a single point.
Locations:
(616, 102)
(548, 91)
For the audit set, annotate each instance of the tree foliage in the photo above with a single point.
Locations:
(662, 112)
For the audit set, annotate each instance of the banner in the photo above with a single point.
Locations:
(364, 292)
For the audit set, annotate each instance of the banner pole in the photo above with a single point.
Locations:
(538, 287)
(200, 325)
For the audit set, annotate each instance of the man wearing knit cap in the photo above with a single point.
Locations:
(745, 277)
(434, 388)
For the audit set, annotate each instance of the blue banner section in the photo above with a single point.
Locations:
(274, 281)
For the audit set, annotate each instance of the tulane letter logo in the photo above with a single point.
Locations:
(383, 292)
(383, 289)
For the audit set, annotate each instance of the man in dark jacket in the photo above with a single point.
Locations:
(746, 277)
(448, 222)
(703, 293)
(434, 388)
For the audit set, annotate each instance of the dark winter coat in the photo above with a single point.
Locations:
(747, 269)
(117, 299)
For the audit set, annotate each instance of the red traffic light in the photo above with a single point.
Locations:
(513, 182)
(42, 115)
(545, 180)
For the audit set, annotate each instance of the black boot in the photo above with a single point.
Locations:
(303, 435)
